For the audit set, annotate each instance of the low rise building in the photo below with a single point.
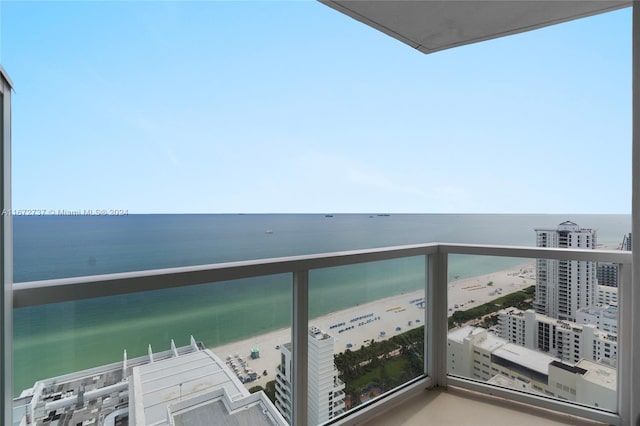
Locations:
(476, 353)
(603, 316)
(568, 341)
(586, 382)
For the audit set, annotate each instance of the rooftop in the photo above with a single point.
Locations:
(159, 384)
(462, 333)
(165, 388)
(318, 334)
(491, 342)
(569, 368)
(219, 410)
(599, 374)
(533, 360)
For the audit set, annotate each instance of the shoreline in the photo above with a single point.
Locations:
(379, 320)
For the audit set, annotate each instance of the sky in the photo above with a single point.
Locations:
(293, 107)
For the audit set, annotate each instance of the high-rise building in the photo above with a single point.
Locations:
(626, 242)
(564, 286)
(325, 390)
(607, 274)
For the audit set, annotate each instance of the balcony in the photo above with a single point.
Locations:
(411, 394)
(460, 407)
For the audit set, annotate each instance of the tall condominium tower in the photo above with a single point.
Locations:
(626, 242)
(564, 286)
(325, 390)
(607, 274)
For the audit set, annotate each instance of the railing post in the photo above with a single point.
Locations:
(625, 341)
(436, 330)
(633, 294)
(6, 253)
(300, 346)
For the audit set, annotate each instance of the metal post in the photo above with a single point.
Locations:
(300, 347)
(625, 325)
(6, 252)
(632, 344)
(437, 324)
(426, 315)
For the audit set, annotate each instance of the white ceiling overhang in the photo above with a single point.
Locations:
(430, 26)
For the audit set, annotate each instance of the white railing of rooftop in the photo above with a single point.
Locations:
(436, 264)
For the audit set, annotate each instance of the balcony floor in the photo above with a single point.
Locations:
(460, 407)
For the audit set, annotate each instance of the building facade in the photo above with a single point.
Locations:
(182, 385)
(626, 242)
(475, 353)
(564, 286)
(603, 316)
(607, 295)
(325, 390)
(565, 340)
(607, 274)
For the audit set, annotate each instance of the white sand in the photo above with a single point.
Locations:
(388, 314)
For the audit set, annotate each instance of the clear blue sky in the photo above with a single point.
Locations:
(224, 107)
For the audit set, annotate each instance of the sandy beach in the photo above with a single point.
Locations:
(378, 320)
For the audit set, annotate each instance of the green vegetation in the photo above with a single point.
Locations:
(488, 321)
(490, 283)
(270, 390)
(383, 365)
(520, 299)
(256, 389)
(387, 375)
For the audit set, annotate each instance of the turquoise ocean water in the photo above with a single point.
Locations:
(54, 339)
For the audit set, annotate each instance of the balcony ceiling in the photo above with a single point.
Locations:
(430, 26)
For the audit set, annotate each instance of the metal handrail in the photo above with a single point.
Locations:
(35, 293)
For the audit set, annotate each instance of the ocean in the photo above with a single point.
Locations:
(55, 339)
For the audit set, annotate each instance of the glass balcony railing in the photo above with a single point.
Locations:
(326, 337)
(503, 332)
(372, 337)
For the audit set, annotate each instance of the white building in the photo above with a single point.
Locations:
(181, 386)
(587, 382)
(568, 341)
(603, 316)
(564, 286)
(626, 242)
(607, 295)
(607, 274)
(325, 390)
(475, 353)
